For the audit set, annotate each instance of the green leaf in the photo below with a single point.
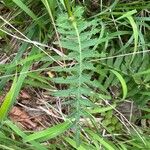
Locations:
(122, 81)
(100, 109)
(73, 144)
(37, 145)
(65, 93)
(8, 101)
(135, 34)
(142, 73)
(18, 56)
(49, 133)
(101, 140)
(128, 15)
(27, 10)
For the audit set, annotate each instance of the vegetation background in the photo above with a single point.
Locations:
(74, 74)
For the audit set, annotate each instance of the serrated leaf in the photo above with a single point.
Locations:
(65, 93)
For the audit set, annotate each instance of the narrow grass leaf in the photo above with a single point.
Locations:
(107, 9)
(27, 10)
(5, 147)
(142, 73)
(7, 103)
(101, 140)
(73, 144)
(18, 56)
(135, 33)
(49, 132)
(37, 145)
(128, 15)
(122, 81)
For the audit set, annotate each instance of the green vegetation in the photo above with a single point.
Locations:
(75, 73)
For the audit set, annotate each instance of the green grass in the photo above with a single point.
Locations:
(87, 58)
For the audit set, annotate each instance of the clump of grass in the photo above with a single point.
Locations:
(93, 64)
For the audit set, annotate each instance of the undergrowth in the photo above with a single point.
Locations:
(90, 57)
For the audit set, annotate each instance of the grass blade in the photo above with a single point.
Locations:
(122, 81)
(73, 144)
(128, 15)
(37, 145)
(49, 132)
(101, 140)
(7, 103)
(20, 4)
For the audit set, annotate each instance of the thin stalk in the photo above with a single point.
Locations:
(45, 2)
(78, 108)
(68, 8)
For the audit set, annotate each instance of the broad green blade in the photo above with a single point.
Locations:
(49, 132)
(37, 145)
(73, 144)
(8, 101)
